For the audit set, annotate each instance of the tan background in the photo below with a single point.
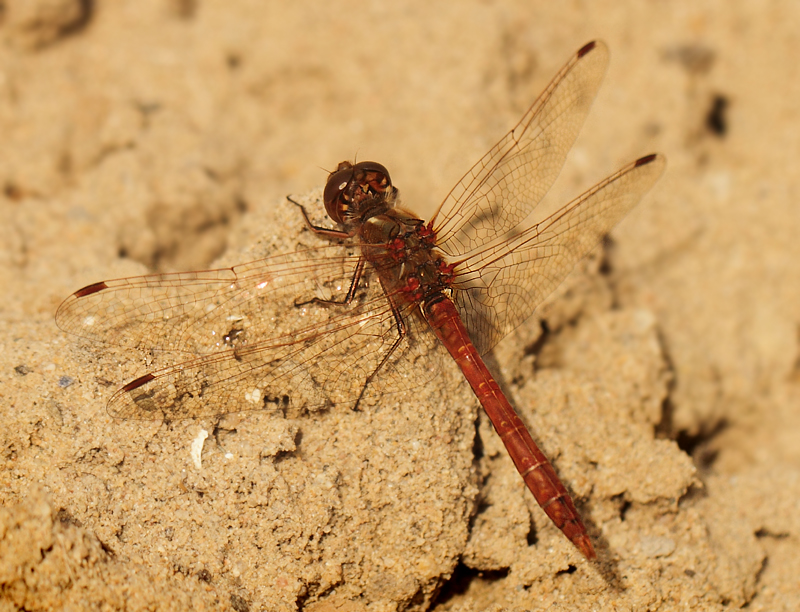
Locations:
(162, 134)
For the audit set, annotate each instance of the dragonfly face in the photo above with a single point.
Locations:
(355, 192)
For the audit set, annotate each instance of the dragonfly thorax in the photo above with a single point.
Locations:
(402, 250)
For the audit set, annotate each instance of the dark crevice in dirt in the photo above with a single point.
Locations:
(531, 538)
(624, 506)
(757, 582)
(301, 600)
(665, 427)
(477, 446)
(418, 599)
(766, 533)
(479, 506)
(460, 581)
(536, 347)
(699, 446)
(546, 350)
(716, 120)
(106, 548)
(693, 493)
(604, 267)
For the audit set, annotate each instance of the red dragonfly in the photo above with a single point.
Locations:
(320, 326)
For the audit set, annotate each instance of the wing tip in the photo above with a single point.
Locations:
(64, 310)
(643, 161)
(597, 46)
(135, 384)
(123, 405)
(90, 289)
(586, 48)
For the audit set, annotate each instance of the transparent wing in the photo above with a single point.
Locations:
(194, 312)
(509, 181)
(257, 337)
(500, 286)
(321, 365)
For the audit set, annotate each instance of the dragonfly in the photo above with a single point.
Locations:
(369, 307)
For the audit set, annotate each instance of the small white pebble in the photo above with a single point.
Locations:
(197, 448)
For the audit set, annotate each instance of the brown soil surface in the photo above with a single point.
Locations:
(164, 134)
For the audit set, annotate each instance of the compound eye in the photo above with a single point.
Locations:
(374, 172)
(335, 194)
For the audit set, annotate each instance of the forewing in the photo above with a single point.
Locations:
(500, 286)
(503, 188)
(194, 312)
(256, 335)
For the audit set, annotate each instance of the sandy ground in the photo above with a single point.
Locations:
(163, 135)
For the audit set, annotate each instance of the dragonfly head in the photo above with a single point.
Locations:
(355, 189)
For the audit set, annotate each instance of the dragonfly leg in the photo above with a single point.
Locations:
(350, 292)
(402, 330)
(333, 234)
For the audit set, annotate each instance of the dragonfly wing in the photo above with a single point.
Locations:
(203, 312)
(255, 335)
(509, 181)
(500, 286)
(326, 362)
